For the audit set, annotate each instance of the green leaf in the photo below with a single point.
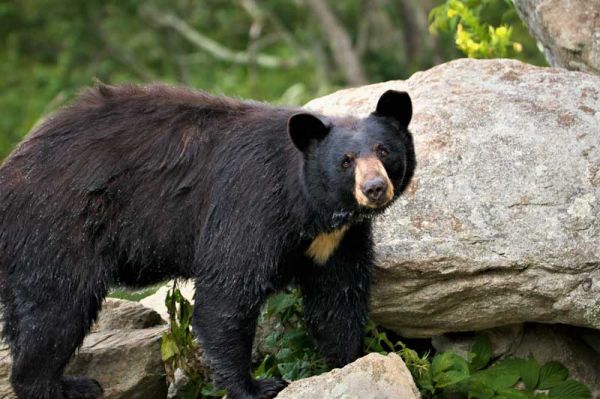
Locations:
(530, 373)
(284, 354)
(451, 377)
(497, 377)
(295, 336)
(570, 389)
(512, 393)
(280, 302)
(552, 374)
(448, 361)
(482, 351)
(425, 385)
(272, 339)
(475, 389)
(289, 370)
(168, 348)
(211, 391)
(448, 368)
(510, 363)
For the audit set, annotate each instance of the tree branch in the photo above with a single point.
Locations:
(216, 49)
(255, 11)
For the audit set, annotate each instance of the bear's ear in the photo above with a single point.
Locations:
(397, 105)
(305, 128)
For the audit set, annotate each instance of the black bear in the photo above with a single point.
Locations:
(134, 185)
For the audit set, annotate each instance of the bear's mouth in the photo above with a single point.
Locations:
(376, 205)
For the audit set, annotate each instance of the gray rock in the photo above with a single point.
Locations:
(372, 377)
(118, 314)
(180, 380)
(569, 31)
(127, 362)
(500, 225)
(6, 391)
(503, 340)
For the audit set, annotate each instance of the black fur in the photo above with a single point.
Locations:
(136, 185)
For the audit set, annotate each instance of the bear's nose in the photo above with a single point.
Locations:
(374, 189)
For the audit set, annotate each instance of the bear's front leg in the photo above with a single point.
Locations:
(225, 322)
(336, 297)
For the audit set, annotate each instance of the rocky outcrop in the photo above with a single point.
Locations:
(501, 223)
(569, 31)
(122, 353)
(372, 377)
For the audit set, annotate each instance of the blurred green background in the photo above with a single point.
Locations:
(282, 51)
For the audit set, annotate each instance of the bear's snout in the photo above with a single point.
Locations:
(374, 189)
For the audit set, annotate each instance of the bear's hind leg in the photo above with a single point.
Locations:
(47, 335)
(226, 329)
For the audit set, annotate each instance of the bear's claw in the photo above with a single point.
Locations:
(268, 388)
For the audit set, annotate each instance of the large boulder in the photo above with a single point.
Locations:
(500, 224)
(372, 377)
(122, 353)
(569, 31)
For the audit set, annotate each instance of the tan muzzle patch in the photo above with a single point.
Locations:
(368, 168)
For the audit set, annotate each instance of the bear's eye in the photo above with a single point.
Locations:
(347, 161)
(382, 152)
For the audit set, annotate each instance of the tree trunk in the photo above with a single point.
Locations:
(340, 44)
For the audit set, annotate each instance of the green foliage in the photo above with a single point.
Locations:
(473, 37)
(290, 352)
(50, 49)
(485, 29)
(475, 377)
(179, 350)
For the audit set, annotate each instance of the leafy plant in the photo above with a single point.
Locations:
(180, 350)
(288, 352)
(477, 376)
(377, 341)
(291, 353)
(473, 36)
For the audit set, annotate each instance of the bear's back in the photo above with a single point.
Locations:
(144, 164)
(109, 131)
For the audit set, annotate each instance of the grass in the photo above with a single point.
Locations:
(135, 295)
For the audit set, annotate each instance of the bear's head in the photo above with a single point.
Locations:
(356, 167)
